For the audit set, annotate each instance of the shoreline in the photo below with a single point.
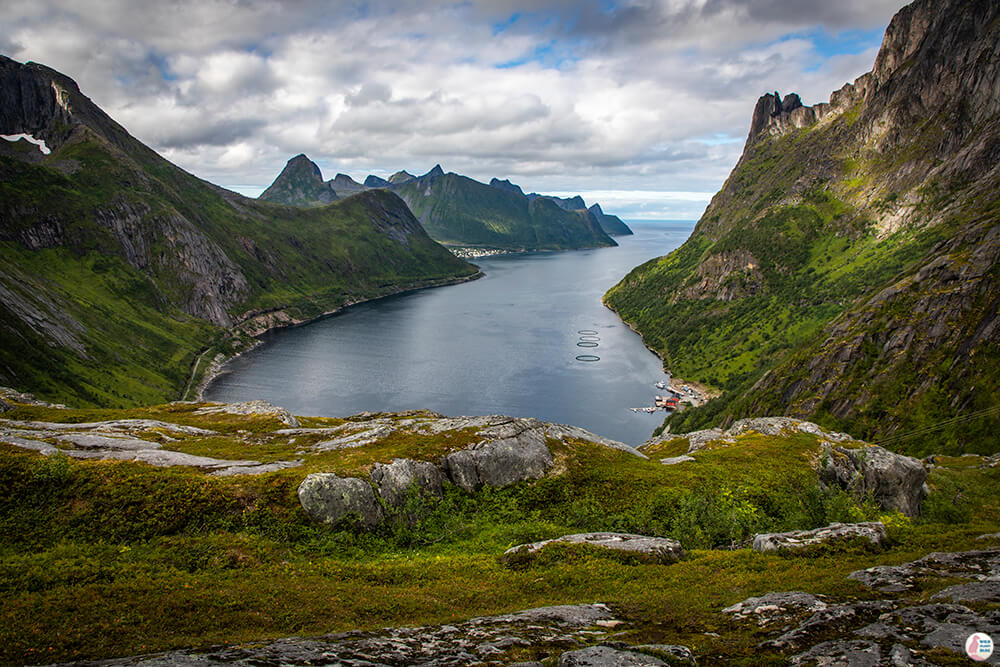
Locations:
(702, 389)
(277, 318)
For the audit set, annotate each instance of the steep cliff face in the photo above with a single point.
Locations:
(847, 270)
(117, 266)
(458, 210)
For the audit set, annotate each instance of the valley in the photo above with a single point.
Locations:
(325, 500)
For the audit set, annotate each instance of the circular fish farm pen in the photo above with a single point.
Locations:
(587, 357)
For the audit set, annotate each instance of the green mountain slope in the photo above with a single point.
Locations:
(458, 210)
(117, 267)
(847, 271)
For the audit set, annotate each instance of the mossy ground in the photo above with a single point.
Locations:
(101, 559)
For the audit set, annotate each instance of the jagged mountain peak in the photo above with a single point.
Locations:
(434, 172)
(300, 183)
(850, 258)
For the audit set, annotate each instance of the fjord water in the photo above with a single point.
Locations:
(504, 344)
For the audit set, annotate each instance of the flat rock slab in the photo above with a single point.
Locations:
(257, 408)
(873, 531)
(605, 656)
(115, 441)
(652, 549)
(979, 565)
(772, 607)
(480, 640)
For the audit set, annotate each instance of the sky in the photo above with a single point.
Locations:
(640, 105)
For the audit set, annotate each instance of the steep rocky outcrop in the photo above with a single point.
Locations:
(847, 270)
(300, 183)
(373, 181)
(894, 482)
(119, 268)
(612, 224)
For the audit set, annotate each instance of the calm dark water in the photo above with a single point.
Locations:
(504, 344)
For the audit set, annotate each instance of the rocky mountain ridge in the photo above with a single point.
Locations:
(846, 272)
(118, 267)
(471, 215)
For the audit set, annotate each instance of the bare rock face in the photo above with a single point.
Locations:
(522, 456)
(652, 549)
(394, 481)
(896, 482)
(328, 498)
(873, 531)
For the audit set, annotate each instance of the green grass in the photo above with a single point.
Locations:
(101, 559)
(131, 319)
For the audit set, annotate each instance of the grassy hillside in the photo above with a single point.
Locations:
(119, 267)
(846, 272)
(105, 559)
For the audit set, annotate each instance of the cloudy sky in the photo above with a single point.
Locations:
(642, 105)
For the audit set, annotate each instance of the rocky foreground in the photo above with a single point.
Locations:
(599, 544)
(889, 629)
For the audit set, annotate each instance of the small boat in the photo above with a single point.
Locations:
(660, 385)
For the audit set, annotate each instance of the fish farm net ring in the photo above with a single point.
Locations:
(587, 357)
(587, 332)
(592, 339)
(586, 343)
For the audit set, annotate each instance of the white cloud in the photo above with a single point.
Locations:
(652, 97)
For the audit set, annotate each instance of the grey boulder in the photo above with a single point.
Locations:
(520, 457)
(873, 531)
(328, 498)
(393, 481)
(896, 482)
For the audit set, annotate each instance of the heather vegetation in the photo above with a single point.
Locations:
(116, 558)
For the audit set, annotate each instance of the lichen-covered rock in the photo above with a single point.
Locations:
(980, 565)
(522, 456)
(605, 656)
(329, 499)
(652, 549)
(896, 482)
(873, 531)
(393, 481)
(486, 640)
(772, 607)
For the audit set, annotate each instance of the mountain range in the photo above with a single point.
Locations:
(460, 211)
(849, 269)
(118, 269)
